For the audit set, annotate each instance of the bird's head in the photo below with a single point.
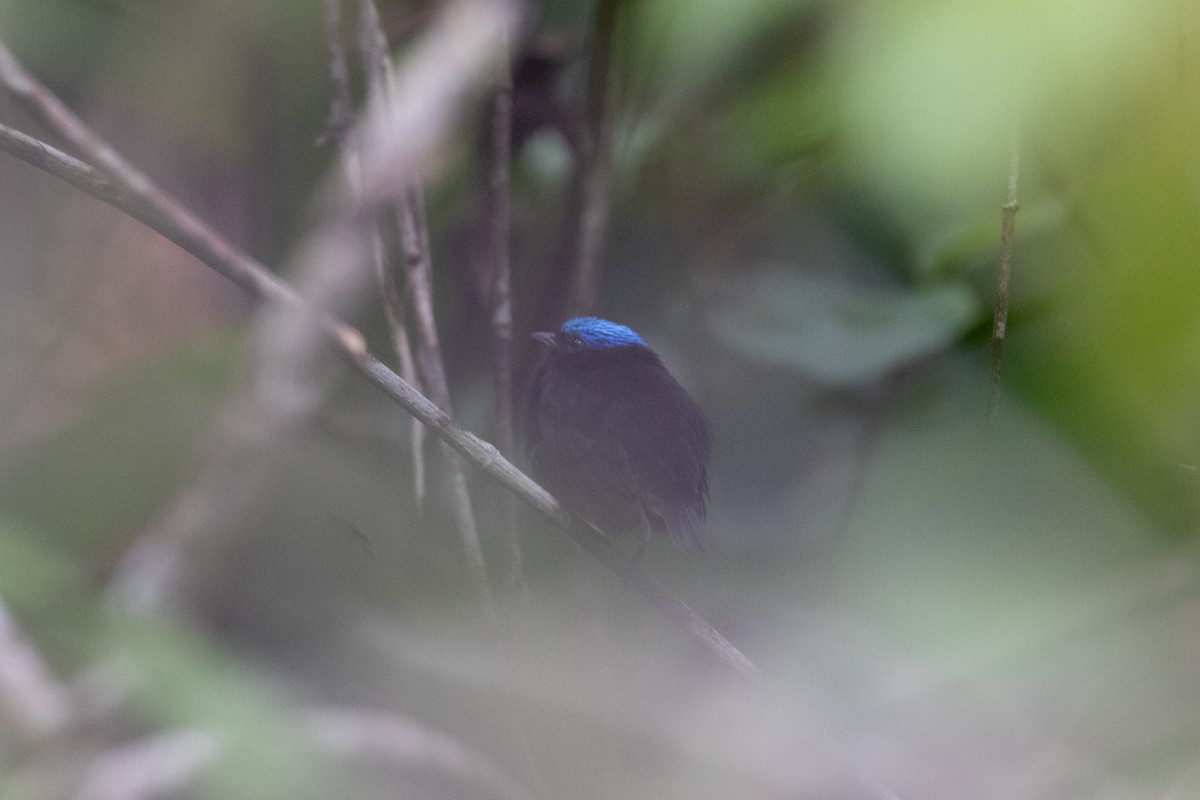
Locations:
(589, 334)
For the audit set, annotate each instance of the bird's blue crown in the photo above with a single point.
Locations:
(600, 333)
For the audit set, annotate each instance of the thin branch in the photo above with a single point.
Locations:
(349, 343)
(394, 313)
(675, 609)
(1008, 223)
(406, 125)
(341, 116)
(414, 229)
(130, 191)
(341, 120)
(499, 217)
(414, 238)
(596, 194)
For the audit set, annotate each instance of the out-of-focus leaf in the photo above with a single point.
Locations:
(930, 94)
(839, 332)
(974, 542)
(782, 119)
(688, 43)
(953, 247)
(1116, 365)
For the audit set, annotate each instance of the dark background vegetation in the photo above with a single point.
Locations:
(805, 224)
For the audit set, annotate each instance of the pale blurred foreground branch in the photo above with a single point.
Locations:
(364, 735)
(28, 690)
(409, 207)
(339, 127)
(409, 204)
(391, 147)
(429, 366)
(174, 760)
(148, 768)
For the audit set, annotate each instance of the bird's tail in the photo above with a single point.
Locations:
(685, 526)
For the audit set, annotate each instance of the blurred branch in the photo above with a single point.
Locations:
(499, 219)
(341, 116)
(341, 121)
(456, 51)
(414, 239)
(596, 195)
(27, 687)
(132, 192)
(675, 609)
(407, 744)
(151, 768)
(149, 571)
(1008, 223)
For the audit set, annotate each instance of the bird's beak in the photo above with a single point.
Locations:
(542, 337)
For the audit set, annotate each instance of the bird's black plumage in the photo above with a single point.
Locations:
(613, 435)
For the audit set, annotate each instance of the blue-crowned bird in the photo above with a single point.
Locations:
(612, 435)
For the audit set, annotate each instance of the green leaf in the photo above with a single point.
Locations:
(839, 332)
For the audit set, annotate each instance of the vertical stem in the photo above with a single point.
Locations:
(1008, 223)
(597, 175)
(340, 117)
(414, 240)
(499, 237)
(339, 126)
(393, 309)
(410, 210)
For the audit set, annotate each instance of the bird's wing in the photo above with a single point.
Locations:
(580, 459)
(668, 444)
(610, 492)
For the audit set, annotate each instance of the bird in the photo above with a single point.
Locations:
(609, 432)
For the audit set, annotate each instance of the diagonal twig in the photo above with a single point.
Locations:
(414, 238)
(499, 235)
(125, 188)
(341, 122)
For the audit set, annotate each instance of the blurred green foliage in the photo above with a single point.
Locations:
(839, 334)
(134, 443)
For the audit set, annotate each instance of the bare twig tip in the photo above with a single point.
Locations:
(352, 340)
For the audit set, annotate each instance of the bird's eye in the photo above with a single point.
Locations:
(574, 342)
